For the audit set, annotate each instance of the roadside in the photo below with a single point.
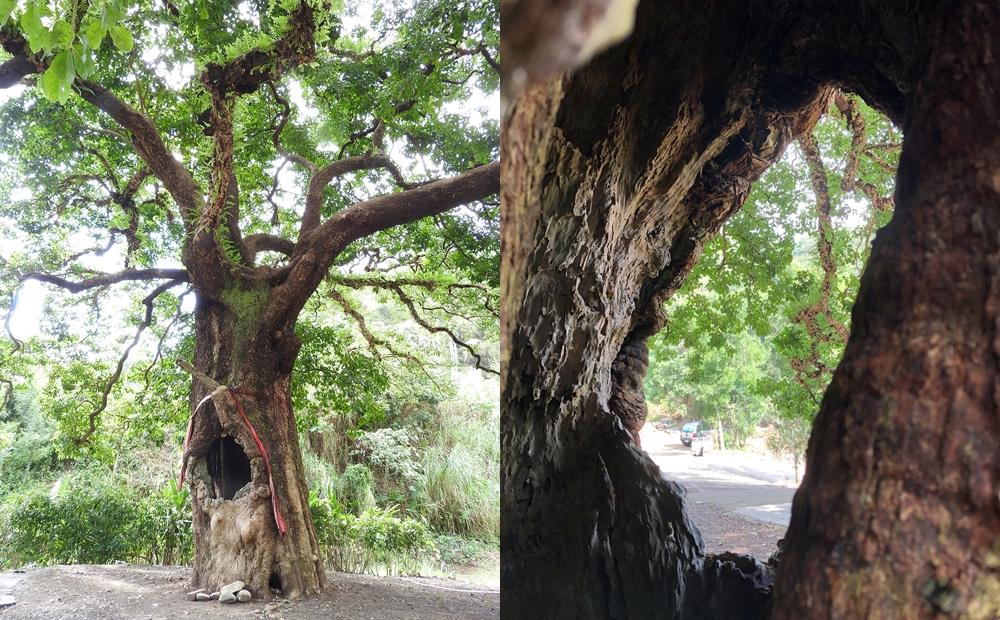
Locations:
(741, 501)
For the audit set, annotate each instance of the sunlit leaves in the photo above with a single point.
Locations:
(121, 37)
(6, 8)
(51, 31)
(57, 81)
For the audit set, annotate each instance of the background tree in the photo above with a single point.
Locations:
(171, 134)
(783, 274)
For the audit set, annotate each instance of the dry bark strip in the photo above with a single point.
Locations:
(613, 179)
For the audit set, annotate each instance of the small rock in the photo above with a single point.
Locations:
(191, 596)
(214, 595)
(201, 596)
(243, 596)
(232, 588)
(227, 597)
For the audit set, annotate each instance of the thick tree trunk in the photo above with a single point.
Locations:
(610, 205)
(235, 531)
(612, 180)
(899, 513)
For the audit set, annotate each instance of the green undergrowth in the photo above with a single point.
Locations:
(89, 517)
(417, 496)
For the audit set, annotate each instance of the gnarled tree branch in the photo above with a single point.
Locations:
(318, 248)
(264, 242)
(107, 279)
(391, 210)
(323, 176)
(150, 147)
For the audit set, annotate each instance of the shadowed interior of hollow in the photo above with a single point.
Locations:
(228, 466)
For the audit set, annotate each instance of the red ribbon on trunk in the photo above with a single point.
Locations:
(278, 519)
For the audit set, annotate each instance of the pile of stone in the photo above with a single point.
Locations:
(229, 593)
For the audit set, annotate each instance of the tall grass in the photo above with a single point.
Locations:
(462, 471)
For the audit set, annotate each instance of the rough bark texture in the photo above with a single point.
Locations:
(628, 400)
(613, 179)
(622, 201)
(236, 536)
(899, 512)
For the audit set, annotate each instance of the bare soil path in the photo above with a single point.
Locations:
(96, 592)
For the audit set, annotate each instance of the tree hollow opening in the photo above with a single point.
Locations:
(228, 467)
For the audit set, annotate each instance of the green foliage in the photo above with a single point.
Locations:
(377, 540)
(354, 489)
(72, 40)
(27, 453)
(397, 474)
(334, 377)
(172, 518)
(462, 472)
(735, 348)
(88, 517)
(461, 551)
(790, 436)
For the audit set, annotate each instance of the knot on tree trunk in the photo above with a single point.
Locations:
(628, 400)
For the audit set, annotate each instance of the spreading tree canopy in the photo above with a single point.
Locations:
(253, 153)
(784, 271)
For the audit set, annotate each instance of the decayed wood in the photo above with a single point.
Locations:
(612, 180)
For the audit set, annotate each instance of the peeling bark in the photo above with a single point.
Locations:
(614, 177)
(237, 538)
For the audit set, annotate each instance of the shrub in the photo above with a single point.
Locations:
(320, 473)
(29, 457)
(354, 489)
(89, 524)
(171, 513)
(397, 475)
(89, 519)
(376, 541)
(460, 551)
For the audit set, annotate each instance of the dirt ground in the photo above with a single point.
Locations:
(95, 592)
(739, 500)
(723, 531)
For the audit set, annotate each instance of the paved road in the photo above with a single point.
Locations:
(745, 484)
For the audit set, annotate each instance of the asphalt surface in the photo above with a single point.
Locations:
(750, 485)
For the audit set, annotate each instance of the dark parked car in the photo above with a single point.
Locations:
(688, 431)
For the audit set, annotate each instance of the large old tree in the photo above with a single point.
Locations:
(239, 148)
(613, 178)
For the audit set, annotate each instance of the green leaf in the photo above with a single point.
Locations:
(6, 7)
(34, 30)
(121, 37)
(83, 60)
(94, 32)
(62, 35)
(57, 81)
